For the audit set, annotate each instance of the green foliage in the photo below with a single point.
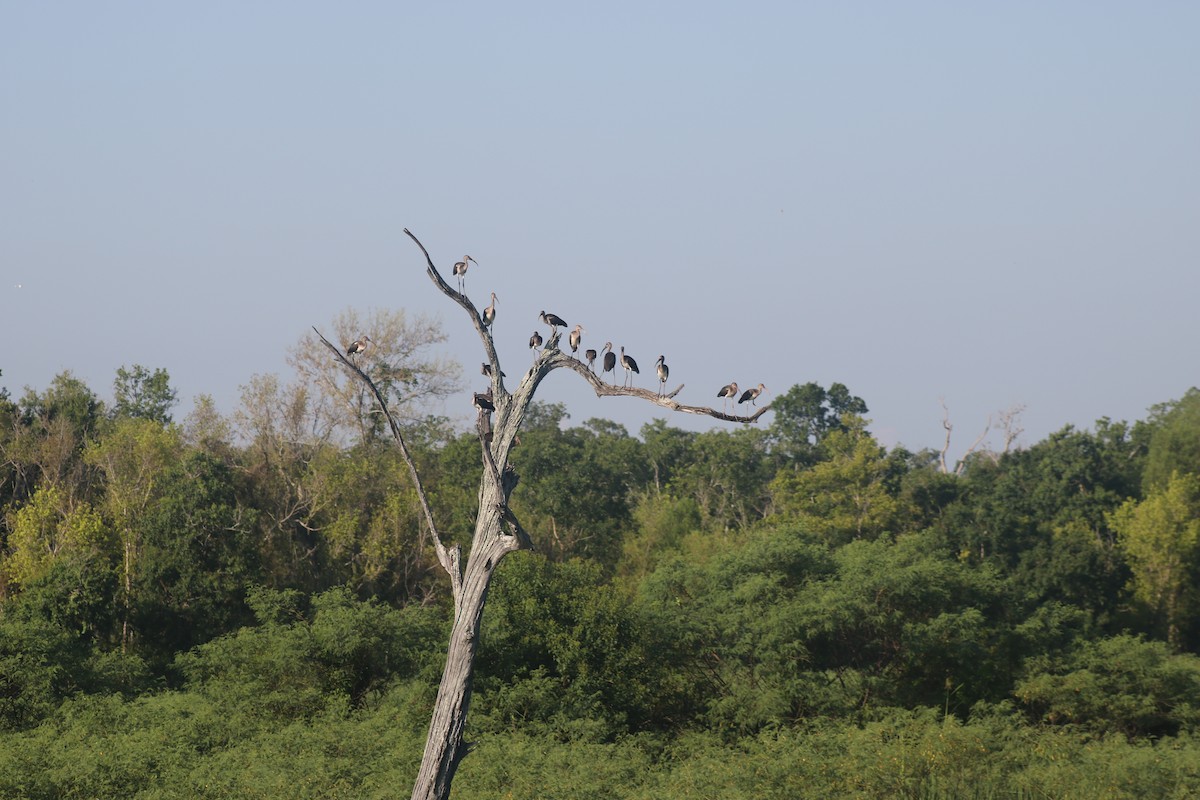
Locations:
(139, 393)
(805, 415)
(1174, 441)
(1161, 539)
(1118, 685)
(851, 494)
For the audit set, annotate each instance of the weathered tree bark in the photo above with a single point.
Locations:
(497, 530)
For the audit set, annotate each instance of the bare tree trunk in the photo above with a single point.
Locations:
(497, 530)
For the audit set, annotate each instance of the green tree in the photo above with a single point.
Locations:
(1161, 538)
(132, 457)
(851, 493)
(139, 393)
(805, 414)
(42, 533)
(1174, 444)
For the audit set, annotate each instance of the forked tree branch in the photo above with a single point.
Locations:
(552, 358)
(449, 559)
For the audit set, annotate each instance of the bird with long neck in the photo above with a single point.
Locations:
(489, 313)
(460, 271)
(728, 391)
(359, 345)
(751, 395)
(610, 361)
(575, 338)
(630, 366)
(535, 341)
(554, 321)
(590, 355)
(663, 372)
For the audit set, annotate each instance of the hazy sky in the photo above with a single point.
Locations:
(990, 203)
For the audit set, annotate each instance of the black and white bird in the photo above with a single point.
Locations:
(610, 361)
(483, 401)
(575, 338)
(751, 395)
(460, 271)
(359, 345)
(486, 369)
(629, 364)
(663, 373)
(535, 341)
(554, 321)
(590, 355)
(728, 391)
(489, 313)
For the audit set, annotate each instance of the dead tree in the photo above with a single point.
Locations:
(497, 530)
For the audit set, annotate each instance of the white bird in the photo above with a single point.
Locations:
(663, 372)
(359, 345)
(576, 337)
(489, 313)
(460, 271)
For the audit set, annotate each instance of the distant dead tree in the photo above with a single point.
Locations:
(1010, 419)
(497, 532)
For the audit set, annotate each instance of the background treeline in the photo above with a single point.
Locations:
(247, 606)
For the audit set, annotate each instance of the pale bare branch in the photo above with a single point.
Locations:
(448, 559)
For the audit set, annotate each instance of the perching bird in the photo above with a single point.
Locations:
(576, 336)
(610, 361)
(590, 355)
(728, 391)
(489, 313)
(359, 345)
(663, 372)
(486, 369)
(629, 364)
(535, 341)
(460, 271)
(483, 401)
(553, 320)
(751, 395)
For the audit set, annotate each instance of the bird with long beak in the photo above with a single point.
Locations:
(359, 345)
(728, 391)
(460, 271)
(575, 338)
(751, 395)
(489, 313)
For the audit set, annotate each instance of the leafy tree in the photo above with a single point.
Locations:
(852, 493)
(132, 457)
(1161, 538)
(805, 414)
(139, 393)
(42, 533)
(1174, 444)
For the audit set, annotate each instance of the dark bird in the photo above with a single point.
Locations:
(460, 271)
(751, 395)
(358, 345)
(489, 313)
(663, 372)
(553, 320)
(610, 361)
(629, 364)
(486, 369)
(728, 391)
(483, 401)
(535, 341)
(590, 355)
(576, 337)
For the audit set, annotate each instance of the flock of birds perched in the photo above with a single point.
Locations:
(483, 401)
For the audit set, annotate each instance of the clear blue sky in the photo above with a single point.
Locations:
(990, 203)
